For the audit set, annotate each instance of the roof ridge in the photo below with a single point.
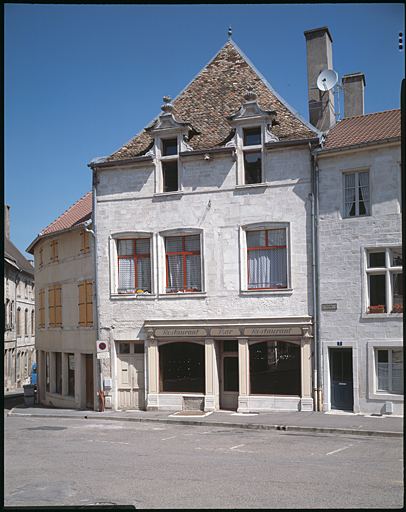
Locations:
(371, 114)
(65, 212)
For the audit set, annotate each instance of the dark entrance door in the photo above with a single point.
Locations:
(89, 381)
(341, 378)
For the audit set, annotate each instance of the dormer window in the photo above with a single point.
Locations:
(252, 125)
(169, 165)
(252, 150)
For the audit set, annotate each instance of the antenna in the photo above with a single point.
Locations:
(327, 80)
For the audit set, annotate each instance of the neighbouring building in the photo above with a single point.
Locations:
(66, 323)
(19, 313)
(361, 264)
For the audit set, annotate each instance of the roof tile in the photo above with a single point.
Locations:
(76, 215)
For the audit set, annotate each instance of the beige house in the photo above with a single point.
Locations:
(66, 322)
(19, 313)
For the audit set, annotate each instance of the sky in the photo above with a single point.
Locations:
(82, 80)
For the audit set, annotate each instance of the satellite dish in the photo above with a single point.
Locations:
(327, 80)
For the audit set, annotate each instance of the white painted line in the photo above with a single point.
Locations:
(339, 450)
(238, 446)
(166, 438)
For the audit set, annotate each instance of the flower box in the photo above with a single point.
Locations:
(397, 308)
(377, 309)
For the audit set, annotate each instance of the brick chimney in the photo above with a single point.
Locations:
(7, 221)
(319, 58)
(354, 94)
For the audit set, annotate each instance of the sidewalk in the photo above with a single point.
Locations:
(337, 422)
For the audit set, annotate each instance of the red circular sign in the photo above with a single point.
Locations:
(102, 346)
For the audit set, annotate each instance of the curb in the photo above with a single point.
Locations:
(247, 426)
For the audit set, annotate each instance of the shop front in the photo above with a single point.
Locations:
(242, 365)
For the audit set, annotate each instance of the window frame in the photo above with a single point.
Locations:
(388, 270)
(244, 274)
(368, 207)
(135, 257)
(252, 149)
(372, 369)
(183, 253)
(169, 159)
(85, 303)
(55, 306)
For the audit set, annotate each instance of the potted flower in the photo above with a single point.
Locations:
(377, 309)
(397, 308)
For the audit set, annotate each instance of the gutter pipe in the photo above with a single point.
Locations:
(93, 232)
(314, 286)
(318, 305)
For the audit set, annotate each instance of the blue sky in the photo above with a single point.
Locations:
(82, 80)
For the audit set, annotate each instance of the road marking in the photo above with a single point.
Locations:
(166, 438)
(339, 450)
(238, 446)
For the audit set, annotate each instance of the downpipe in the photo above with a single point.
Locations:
(318, 305)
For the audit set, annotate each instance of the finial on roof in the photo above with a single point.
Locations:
(168, 107)
(229, 32)
(250, 94)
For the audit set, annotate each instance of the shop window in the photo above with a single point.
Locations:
(182, 367)
(71, 374)
(389, 370)
(275, 368)
(134, 265)
(356, 193)
(267, 259)
(58, 372)
(183, 264)
(385, 280)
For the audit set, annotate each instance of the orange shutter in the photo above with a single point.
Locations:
(89, 303)
(52, 306)
(41, 309)
(82, 304)
(58, 306)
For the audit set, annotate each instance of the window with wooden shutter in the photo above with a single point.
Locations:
(41, 257)
(85, 303)
(84, 242)
(41, 309)
(55, 306)
(54, 250)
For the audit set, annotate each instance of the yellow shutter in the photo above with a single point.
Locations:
(82, 304)
(41, 309)
(52, 306)
(89, 303)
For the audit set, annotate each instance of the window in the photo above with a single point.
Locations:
(47, 371)
(267, 259)
(85, 303)
(84, 242)
(54, 250)
(55, 306)
(41, 257)
(26, 322)
(134, 265)
(41, 309)
(18, 322)
(385, 280)
(58, 372)
(252, 150)
(170, 165)
(71, 374)
(32, 322)
(183, 264)
(274, 368)
(181, 367)
(389, 370)
(356, 193)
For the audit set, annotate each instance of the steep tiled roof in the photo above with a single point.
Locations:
(76, 215)
(12, 253)
(217, 92)
(356, 130)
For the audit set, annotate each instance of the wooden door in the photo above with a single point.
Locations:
(131, 387)
(89, 382)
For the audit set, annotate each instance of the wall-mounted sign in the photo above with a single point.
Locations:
(102, 347)
(273, 331)
(185, 331)
(224, 331)
(329, 307)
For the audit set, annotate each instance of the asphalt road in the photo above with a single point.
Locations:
(55, 462)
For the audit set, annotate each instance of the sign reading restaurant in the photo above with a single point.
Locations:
(228, 331)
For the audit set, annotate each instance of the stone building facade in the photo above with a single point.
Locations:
(19, 313)
(66, 316)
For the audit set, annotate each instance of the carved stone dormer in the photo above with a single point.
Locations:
(169, 125)
(251, 113)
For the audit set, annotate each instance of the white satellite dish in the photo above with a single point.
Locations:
(327, 80)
